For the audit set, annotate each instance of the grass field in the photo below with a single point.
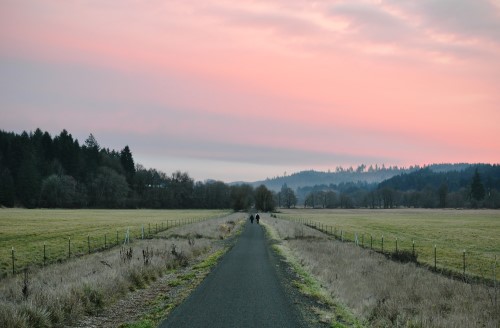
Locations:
(451, 231)
(29, 230)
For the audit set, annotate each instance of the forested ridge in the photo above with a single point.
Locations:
(434, 186)
(38, 170)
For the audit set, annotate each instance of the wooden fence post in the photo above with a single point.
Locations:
(464, 264)
(435, 257)
(88, 242)
(13, 262)
(495, 278)
(69, 247)
(382, 244)
(44, 254)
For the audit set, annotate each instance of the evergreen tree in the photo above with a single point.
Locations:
(7, 189)
(28, 184)
(443, 195)
(127, 163)
(90, 150)
(477, 187)
(67, 151)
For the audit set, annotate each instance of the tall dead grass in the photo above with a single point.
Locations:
(219, 228)
(61, 294)
(384, 293)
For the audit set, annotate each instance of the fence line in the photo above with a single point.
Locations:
(465, 270)
(93, 244)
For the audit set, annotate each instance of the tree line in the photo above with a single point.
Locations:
(472, 186)
(38, 170)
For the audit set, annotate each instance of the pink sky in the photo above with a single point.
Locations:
(244, 90)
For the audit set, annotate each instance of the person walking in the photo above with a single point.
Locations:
(251, 218)
(257, 217)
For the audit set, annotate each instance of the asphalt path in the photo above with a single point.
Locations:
(243, 290)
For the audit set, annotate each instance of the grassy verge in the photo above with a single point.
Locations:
(380, 292)
(161, 306)
(190, 279)
(332, 311)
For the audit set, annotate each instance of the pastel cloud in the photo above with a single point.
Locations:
(275, 85)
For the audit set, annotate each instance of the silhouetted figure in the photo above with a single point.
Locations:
(257, 217)
(251, 218)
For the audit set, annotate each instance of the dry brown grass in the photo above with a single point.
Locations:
(61, 294)
(383, 293)
(218, 228)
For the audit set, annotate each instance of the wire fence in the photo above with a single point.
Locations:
(59, 249)
(468, 265)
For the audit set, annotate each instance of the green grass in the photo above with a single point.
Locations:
(211, 260)
(29, 230)
(145, 323)
(451, 231)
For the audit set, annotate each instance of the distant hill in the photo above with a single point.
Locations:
(362, 174)
(312, 178)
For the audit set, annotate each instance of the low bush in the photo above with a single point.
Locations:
(404, 256)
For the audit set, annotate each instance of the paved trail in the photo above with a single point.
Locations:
(244, 290)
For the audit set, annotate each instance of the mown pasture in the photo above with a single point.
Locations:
(449, 231)
(66, 233)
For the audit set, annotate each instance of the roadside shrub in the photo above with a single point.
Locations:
(404, 256)
(180, 258)
(10, 317)
(72, 306)
(93, 299)
(136, 278)
(37, 316)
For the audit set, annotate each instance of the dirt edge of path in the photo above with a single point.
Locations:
(148, 306)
